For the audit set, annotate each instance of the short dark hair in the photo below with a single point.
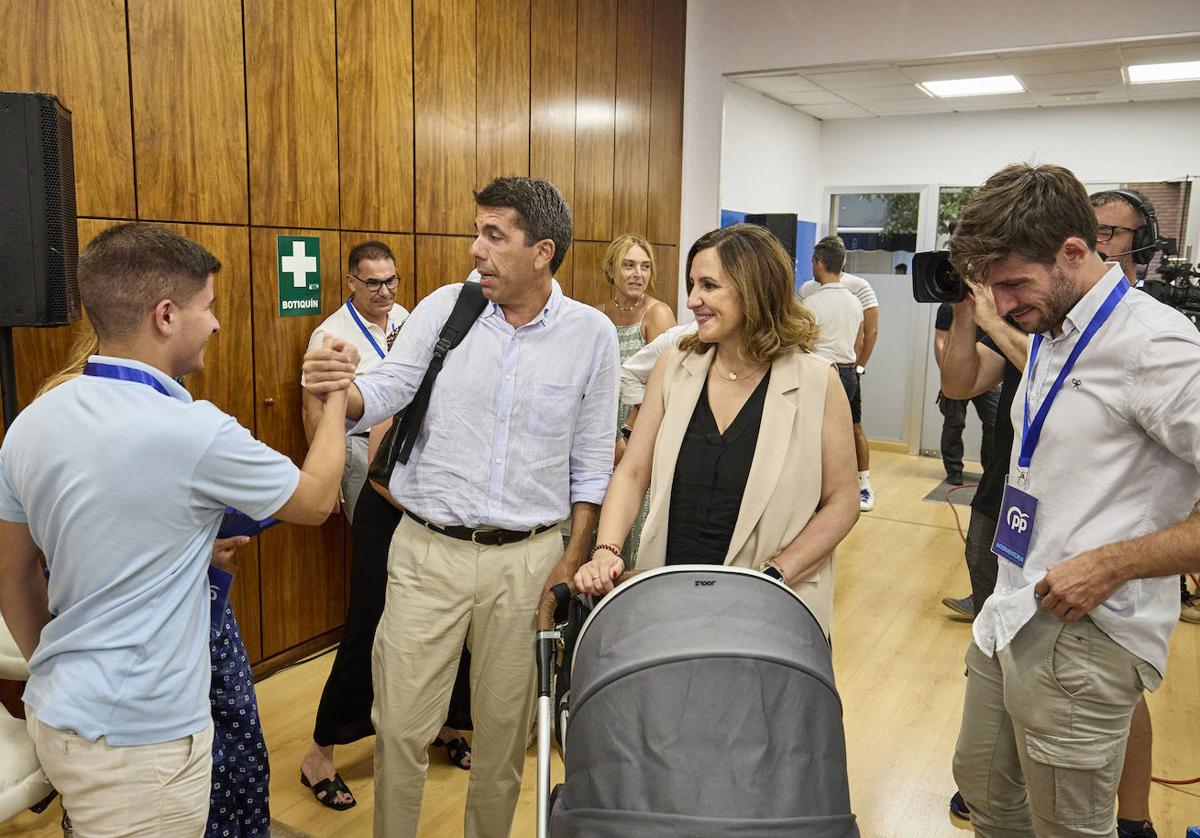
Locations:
(129, 268)
(1022, 210)
(542, 212)
(831, 253)
(1112, 196)
(368, 250)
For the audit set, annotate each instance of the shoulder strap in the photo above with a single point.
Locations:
(467, 308)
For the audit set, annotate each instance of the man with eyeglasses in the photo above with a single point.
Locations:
(369, 321)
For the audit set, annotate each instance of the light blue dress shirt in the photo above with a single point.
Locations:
(520, 423)
(123, 490)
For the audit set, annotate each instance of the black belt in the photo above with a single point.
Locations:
(362, 435)
(486, 537)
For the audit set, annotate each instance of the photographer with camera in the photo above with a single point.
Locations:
(1097, 514)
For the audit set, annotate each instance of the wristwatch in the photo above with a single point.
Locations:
(626, 431)
(860, 369)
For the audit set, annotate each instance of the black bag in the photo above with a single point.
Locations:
(398, 443)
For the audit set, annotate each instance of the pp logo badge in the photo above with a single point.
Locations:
(1017, 520)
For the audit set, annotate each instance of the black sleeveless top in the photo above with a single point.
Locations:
(710, 479)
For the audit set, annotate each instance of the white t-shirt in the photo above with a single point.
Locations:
(341, 325)
(857, 286)
(839, 315)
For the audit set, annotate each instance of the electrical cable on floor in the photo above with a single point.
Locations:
(962, 535)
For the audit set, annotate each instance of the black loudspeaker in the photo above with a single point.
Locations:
(39, 245)
(782, 226)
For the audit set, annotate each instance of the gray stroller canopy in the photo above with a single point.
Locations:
(703, 704)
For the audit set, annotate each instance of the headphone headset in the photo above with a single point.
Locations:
(1146, 240)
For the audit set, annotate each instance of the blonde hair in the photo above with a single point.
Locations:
(759, 268)
(616, 252)
(85, 345)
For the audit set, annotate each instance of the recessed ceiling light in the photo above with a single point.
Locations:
(987, 86)
(1153, 73)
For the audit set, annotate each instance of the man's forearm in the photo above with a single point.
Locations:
(23, 603)
(1168, 552)
(326, 457)
(959, 361)
(1010, 340)
(583, 523)
(870, 333)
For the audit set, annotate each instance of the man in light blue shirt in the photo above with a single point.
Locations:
(120, 480)
(517, 437)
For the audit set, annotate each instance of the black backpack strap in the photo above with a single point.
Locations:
(467, 308)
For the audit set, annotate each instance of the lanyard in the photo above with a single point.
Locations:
(1031, 432)
(125, 374)
(363, 327)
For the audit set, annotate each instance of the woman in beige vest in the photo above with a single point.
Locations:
(744, 438)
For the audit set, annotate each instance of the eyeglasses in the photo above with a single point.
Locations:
(373, 285)
(1107, 231)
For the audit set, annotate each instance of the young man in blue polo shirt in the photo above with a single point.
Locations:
(120, 480)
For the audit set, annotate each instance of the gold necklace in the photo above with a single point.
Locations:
(633, 307)
(730, 374)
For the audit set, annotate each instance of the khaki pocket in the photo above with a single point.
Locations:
(1071, 657)
(1072, 779)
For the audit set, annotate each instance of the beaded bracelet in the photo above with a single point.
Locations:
(612, 548)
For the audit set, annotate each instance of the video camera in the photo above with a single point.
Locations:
(934, 279)
(1174, 288)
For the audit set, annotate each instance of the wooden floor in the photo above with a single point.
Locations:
(898, 659)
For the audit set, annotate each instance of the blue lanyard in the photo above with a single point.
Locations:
(1031, 432)
(126, 374)
(363, 327)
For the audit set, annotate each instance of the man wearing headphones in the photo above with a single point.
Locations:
(1128, 231)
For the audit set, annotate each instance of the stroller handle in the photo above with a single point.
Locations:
(552, 610)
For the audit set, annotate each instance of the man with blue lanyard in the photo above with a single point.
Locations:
(1096, 520)
(121, 481)
(369, 321)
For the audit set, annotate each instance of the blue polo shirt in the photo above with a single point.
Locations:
(123, 489)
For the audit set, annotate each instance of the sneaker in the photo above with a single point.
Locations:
(1135, 829)
(866, 500)
(958, 807)
(964, 607)
(1189, 609)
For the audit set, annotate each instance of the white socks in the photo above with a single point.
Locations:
(864, 479)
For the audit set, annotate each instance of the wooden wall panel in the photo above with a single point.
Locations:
(589, 284)
(666, 284)
(445, 124)
(631, 176)
(292, 101)
(594, 120)
(441, 260)
(375, 113)
(666, 121)
(552, 94)
(303, 571)
(76, 49)
(402, 247)
(189, 109)
(566, 272)
(502, 99)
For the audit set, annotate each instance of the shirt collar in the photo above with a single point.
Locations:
(546, 315)
(1083, 311)
(176, 389)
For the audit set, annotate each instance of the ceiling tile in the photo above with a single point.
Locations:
(898, 107)
(850, 79)
(993, 103)
(808, 97)
(1063, 60)
(1110, 93)
(1077, 81)
(1165, 90)
(891, 93)
(843, 111)
(954, 70)
(776, 84)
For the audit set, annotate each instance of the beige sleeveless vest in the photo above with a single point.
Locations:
(784, 486)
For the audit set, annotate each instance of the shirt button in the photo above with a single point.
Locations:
(508, 378)
(499, 461)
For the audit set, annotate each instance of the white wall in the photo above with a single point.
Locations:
(772, 156)
(727, 37)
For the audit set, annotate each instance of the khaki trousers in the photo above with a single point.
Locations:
(440, 592)
(136, 790)
(1044, 727)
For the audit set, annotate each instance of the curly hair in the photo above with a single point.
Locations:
(759, 268)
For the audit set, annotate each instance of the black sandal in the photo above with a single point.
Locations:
(325, 791)
(457, 749)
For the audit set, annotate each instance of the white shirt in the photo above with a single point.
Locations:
(635, 372)
(839, 315)
(123, 490)
(341, 325)
(857, 286)
(521, 421)
(1117, 459)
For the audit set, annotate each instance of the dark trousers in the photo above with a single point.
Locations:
(982, 564)
(954, 420)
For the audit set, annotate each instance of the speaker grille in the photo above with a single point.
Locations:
(61, 231)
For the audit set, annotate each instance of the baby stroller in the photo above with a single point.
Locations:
(702, 704)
